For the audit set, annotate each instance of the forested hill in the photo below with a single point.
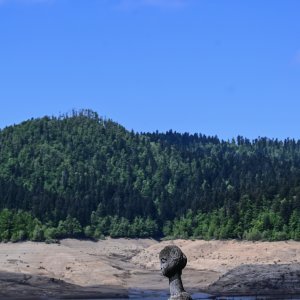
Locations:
(82, 175)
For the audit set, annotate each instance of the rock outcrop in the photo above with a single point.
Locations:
(172, 262)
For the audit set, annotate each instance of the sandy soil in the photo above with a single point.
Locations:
(133, 263)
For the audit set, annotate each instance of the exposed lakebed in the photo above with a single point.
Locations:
(112, 267)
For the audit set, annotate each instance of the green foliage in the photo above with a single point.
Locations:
(84, 176)
(69, 228)
(50, 234)
(122, 227)
(89, 232)
(268, 225)
(6, 225)
(37, 234)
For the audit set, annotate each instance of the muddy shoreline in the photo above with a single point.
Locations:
(26, 286)
(109, 269)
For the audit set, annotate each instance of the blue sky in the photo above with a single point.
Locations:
(217, 67)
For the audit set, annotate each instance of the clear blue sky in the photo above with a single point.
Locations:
(216, 67)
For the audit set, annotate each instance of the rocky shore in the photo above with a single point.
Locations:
(259, 279)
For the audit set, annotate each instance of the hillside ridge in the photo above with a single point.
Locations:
(94, 178)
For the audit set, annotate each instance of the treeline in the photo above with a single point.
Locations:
(266, 225)
(121, 183)
(16, 226)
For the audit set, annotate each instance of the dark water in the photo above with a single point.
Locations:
(163, 295)
(151, 295)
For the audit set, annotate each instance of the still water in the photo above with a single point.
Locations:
(150, 295)
(161, 295)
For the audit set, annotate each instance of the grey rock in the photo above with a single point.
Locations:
(172, 262)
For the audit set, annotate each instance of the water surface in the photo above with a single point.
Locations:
(164, 295)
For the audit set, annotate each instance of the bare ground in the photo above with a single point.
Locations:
(213, 266)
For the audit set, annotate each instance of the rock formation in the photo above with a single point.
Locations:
(172, 262)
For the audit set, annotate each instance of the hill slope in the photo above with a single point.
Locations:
(96, 171)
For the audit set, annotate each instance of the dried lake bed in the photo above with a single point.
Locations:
(118, 268)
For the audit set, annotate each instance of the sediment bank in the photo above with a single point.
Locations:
(113, 266)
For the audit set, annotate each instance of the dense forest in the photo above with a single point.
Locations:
(80, 175)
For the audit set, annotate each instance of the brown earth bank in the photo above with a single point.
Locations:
(255, 279)
(26, 286)
(108, 268)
